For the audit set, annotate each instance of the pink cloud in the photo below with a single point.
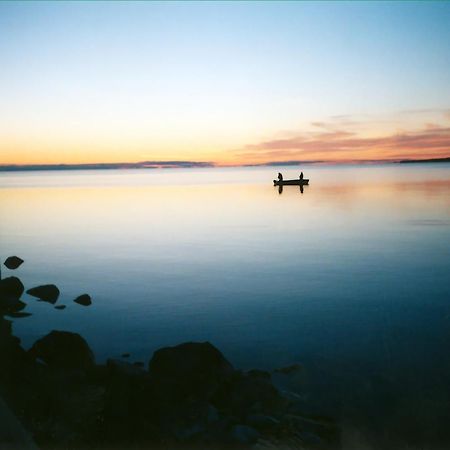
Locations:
(431, 141)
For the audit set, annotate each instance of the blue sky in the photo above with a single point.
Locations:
(124, 81)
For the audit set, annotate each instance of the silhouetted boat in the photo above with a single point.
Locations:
(296, 182)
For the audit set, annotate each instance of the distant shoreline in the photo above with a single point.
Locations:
(195, 164)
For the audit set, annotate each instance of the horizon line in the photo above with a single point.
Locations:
(180, 164)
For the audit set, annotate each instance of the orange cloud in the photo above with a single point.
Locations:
(433, 141)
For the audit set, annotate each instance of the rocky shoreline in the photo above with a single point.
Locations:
(187, 396)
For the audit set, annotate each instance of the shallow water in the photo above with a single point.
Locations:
(350, 278)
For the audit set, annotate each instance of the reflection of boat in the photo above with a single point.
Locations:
(296, 182)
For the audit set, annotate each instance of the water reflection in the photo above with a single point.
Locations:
(280, 188)
(356, 291)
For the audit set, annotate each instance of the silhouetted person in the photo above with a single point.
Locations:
(301, 176)
(280, 177)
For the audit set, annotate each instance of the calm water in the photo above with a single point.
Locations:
(351, 278)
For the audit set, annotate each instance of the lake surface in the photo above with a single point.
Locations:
(350, 278)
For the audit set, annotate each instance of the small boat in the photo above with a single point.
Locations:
(297, 182)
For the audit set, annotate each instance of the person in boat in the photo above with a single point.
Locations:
(301, 175)
(280, 177)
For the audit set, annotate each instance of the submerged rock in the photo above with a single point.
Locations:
(262, 421)
(10, 305)
(84, 300)
(116, 366)
(11, 356)
(18, 315)
(288, 369)
(249, 393)
(47, 293)
(13, 262)
(244, 434)
(63, 349)
(11, 288)
(189, 369)
(60, 307)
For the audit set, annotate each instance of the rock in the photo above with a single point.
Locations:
(84, 300)
(63, 349)
(60, 307)
(191, 369)
(312, 429)
(117, 367)
(189, 432)
(47, 293)
(7, 340)
(262, 421)
(125, 355)
(309, 438)
(257, 373)
(249, 393)
(11, 288)
(212, 414)
(244, 434)
(9, 305)
(13, 360)
(289, 369)
(18, 315)
(13, 262)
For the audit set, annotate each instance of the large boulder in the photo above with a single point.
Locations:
(47, 293)
(63, 349)
(12, 356)
(249, 393)
(192, 369)
(10, 291)
(13, 262)
(11, 288)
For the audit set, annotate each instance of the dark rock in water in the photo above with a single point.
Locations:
(11, 288)
(262, 421)
(117, 367)
(257, 373)
(63, 349)
(11, 356)
(10, 305)
(13, 262)
(191, 369)
(18, 315)
(309, 438)
(189, 432)
(244, 434)
(289, 369)
(125, 355)
(60, 307)
(249, 393)
(47, 293)
(10, 291)
(84, 300)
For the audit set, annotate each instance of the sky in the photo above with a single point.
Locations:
(223, 82)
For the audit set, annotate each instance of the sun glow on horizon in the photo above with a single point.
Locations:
(224, 83)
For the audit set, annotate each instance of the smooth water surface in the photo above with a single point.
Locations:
(350, 278)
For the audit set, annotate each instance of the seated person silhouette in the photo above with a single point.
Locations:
(280, 177)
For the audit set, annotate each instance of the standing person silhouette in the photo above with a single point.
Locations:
(301, 176)
(280, 177)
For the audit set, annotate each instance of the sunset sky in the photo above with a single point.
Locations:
(229, 83)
